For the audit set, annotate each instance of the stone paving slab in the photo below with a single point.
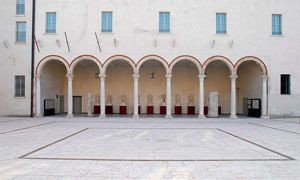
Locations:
(155, 144)
(148, 148)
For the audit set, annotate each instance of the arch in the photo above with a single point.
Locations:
(49, 58)
(118, 57)
(254, 59)
(85, 57)
(192, 59)
(228, 63)
(151, 57)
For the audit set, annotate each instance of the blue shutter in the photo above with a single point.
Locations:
(53, 22)
(20, 7)
(21, 32)
(224, 30)
(218, 23)
(167, 22)
(161, 22)
(110, 20)
(104, 22)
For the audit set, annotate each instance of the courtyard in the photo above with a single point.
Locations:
(149, 148)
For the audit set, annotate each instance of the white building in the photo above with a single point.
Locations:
(240, 49)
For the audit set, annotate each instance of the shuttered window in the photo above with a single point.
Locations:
(19, 86)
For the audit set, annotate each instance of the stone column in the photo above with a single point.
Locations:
(102, 95)
(136, 95)
(70, 95)
(201, 96)
(38, 96)
(233, 96)
(168, 96)
(264, 97)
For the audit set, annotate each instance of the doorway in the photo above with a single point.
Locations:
(77, 104)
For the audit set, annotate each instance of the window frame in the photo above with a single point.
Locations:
(287, 85)
(17, 40)
(23, 8)
(51, 23)
(280, 32)
(164, 29)
(107, 29)
(20, 93)
(221, 25)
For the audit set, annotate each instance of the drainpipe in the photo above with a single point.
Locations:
(32, 57)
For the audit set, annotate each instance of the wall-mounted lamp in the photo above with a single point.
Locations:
(115, 42)
(230, 44)
(58, 42)
(40, 42)
(5, 43)
(173, 43)
(212, 43)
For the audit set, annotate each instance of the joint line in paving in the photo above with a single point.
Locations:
(155, 160)
(268, 149)
(34, 151)
(25, 128)
(275, 128)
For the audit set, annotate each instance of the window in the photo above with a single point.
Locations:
(19, 86)
(164, 22)
(106, 21)
(51, 22)
(276, 24)
(20, 7)
(21, 32)
(285, 84)
(221, 23)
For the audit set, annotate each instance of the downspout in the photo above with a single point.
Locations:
(32, 57)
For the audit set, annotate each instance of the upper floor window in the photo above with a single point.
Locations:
(21, 32)
(51, 22)
(20, 7)
(285, 84)
(164, 22)
(221, 25)
(106, 21)
(276, 24)
(19, 86)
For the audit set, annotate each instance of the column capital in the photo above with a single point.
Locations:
(70, 76)
(169, 76)
(38, 76)
(202, 76)
(135, 75)
(102, 75)
(265, 77)
(233, 76)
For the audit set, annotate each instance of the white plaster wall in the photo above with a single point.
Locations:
(135, 28)
(14, 60)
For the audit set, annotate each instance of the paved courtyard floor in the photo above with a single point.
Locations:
(149, 148)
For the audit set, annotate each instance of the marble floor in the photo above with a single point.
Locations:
(149, 148)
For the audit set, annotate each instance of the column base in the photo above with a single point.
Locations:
(233, 117)
(168, 116)
(135, 116)
(265, 117)
(201, 116)
(102, 116)
(70, 115)
(38, 116)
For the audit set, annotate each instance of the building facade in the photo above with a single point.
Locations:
(141, 54)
